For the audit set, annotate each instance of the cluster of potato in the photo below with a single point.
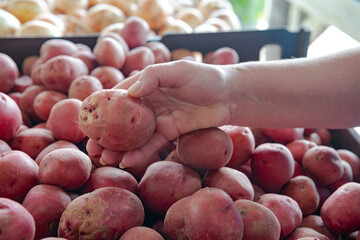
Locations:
(55, 18)
(62, 124)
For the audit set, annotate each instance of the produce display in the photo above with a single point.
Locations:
(64, 130)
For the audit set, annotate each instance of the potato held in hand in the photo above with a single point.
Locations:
(116, 120)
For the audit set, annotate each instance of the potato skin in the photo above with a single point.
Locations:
(9, 72)
(44, 101)
(141, 232)
(105, 213)
(302, 232)
(315, 222)
(353, 160)
(116, 120)
(174, 225)
(137, 59)
(107, 75)
(10, 117)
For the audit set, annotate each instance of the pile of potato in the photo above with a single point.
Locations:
(56, 18)
(64, 129)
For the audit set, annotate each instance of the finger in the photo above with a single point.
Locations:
(139, 155)
(93, 148)
(126, 83)
(109, 157)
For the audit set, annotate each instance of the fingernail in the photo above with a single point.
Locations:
(135, 87)
(121, 165)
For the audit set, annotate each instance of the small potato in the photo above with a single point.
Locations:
(108, 76)
(109, 52)
(28, 63)
(285, 209)
(166, 182)
(55, 145)
(65, 113)
(298, 170)
(161, 52)
(15, 221)
(137, 59)
(232, 181)
(21, 83)
(272, 166)
(212, 214)
(315, 222)
(27, 99)
(111, 177)
(12, 165)
(354, 161)
(44, 101)
(109, 212)
(135, 32)
(302, 232)
(259, 221)
(209, 148)
(10, 117)
(46, 203)
(66, 168)
(88, 58)
(299, 147)
(55, 47)
(284, 135)
(141, 232)
(341, 212)
(9, 72)
(116, 120)
(58, 72)
(174, 226)
(84, 86)
(319, 161)
(303, 190)
(32, 141)
(345, 178)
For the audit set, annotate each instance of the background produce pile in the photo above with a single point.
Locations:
(56, 18)
(231, 182)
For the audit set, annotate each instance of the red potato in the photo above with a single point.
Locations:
(109, 212)
(109, 52)
(222, 56)
(303, 190)
(286, 210)
(28, 63)
(354, 161)
(258, 191)
(141, 232)
(325, 136)
(319, 161)
(315, 222)
(21, 83)
(299, 147)
(117, 37)
(284, 135)
(345, 178)
(10, 117)
(15, 221)
(259, 221)
(32, 141)
(260, 136)
(108, 76)
(272, 166)
(166, 182)
(161, 52)
(36, 73)
(324, 193)
(340, 212)
(9, 72)
(298, 170)
(135, 31)
(137, 59)
(302, 232)
(46, 203)
(243, 144)
(55, 47)
(139, 170)
(232, 181)
(44, 101)
(27, 99)
(66, 168)
(88, 58)
(4, 147)
(65, 113)
(209, 148)
(53, 146)
(111, 177)
(12, 165)
(84, 86)
(212, 214)
(116, 120)
(58, 72)
(15, 96)
(174, 225)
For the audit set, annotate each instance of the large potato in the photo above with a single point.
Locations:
(9, 72)
(10, 117)
(116, 120)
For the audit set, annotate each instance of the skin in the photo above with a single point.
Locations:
(306, 92)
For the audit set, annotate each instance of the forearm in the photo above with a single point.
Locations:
(319, 92)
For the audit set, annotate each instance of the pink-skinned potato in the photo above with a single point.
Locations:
(53, 146)
(323, 165)
(65, 113)
(212, 214)
(232, 181)
(341, 212)
(299, 147)
(209, 148)
(44, 101)
(108, 76)
(286, 210)
(161, 52)
(115, 120)
(301, 232)
(58, 72)
(298, 170)
(66, 168)
(259, 221)
(88, 58)
(32, 141)
(27, 99)
(166, 182)
(55, 47)
(46, 203)
(345, 178)
(10, 117)
(28, 63)
(222, 56)
(284, 135)
(315, 222)
(106, 213)
(141, 232)
(353, 160)
(12, 165)
(137, 59)
(21, 83)
(135, 31)
(174, 225)
(9, 72)
(272, 166)
(15, 221)
(109, 52)
(84, 86)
